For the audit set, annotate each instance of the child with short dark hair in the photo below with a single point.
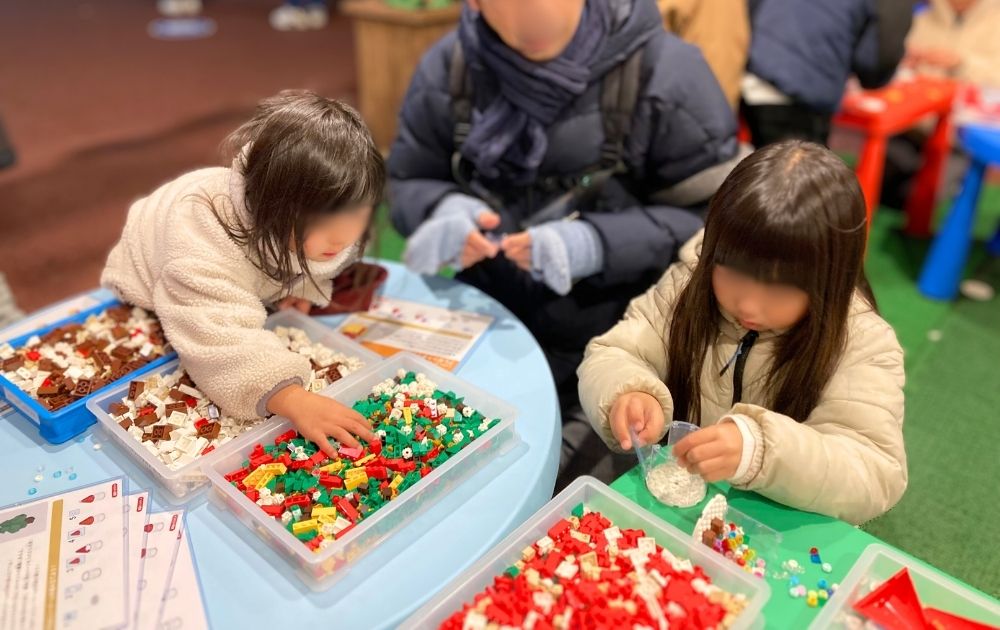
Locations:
(211, 250)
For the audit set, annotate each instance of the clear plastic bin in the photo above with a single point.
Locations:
(623, 513)
(66, 423)
(765, 540)
(324, 569)
(877, 564)
(669, 484)
(184, 483)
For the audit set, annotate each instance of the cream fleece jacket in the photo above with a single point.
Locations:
(174, 258)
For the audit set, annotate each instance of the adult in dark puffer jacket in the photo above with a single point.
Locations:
(536, 70)
(802, 53)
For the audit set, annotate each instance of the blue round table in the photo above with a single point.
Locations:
(246, 585)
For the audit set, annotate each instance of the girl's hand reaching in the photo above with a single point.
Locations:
(317, 418)
(642, 412)
(713, 452)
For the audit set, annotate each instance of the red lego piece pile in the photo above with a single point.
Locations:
(586, 573)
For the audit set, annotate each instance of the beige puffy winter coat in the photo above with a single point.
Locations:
(973, 37)
(846, 459)
(175, 259)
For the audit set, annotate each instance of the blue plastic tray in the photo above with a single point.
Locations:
(58, 426)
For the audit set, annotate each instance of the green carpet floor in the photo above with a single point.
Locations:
(952, 427)
(387, 244)
(952, 423)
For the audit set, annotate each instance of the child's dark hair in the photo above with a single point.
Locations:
(790, 213)
(301, 156)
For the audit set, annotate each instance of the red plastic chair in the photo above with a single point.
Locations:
(881, 114)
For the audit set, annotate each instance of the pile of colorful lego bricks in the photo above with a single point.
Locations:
(319, 499)
(587, 573)
(71, 361)
(177, 423)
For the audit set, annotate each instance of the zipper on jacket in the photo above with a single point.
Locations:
(740, 358)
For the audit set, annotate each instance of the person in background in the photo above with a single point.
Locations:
(721, 30)
(557, 153)
(955, 39)
(178, 8)
(300, 15)
(802, 53)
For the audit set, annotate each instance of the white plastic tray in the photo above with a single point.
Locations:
(599, 497)
(877, 564)
(185, 482)
(322, 570)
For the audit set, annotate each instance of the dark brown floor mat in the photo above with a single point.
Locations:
(100, 113)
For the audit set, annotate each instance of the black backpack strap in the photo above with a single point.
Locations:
(619, 94)
(460, 88)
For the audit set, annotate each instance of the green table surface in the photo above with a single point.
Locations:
(838, 543)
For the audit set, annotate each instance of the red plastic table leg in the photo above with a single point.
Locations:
(923, 196)
(870, 168)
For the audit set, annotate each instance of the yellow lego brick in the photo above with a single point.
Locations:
(407, 415)
(305, 526)
(326, 519)
(353, 481)
(321, 510)
(332, 468)
(396, 481)
(253, 478)
(354, 472)
(263, 481)
(277, 468)
(364, 460)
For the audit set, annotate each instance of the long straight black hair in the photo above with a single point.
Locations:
(790, 213)
(302, 156)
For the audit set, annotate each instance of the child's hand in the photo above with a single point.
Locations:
(318, 417)
(642, 412)
(713, 452)
(297, 303)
